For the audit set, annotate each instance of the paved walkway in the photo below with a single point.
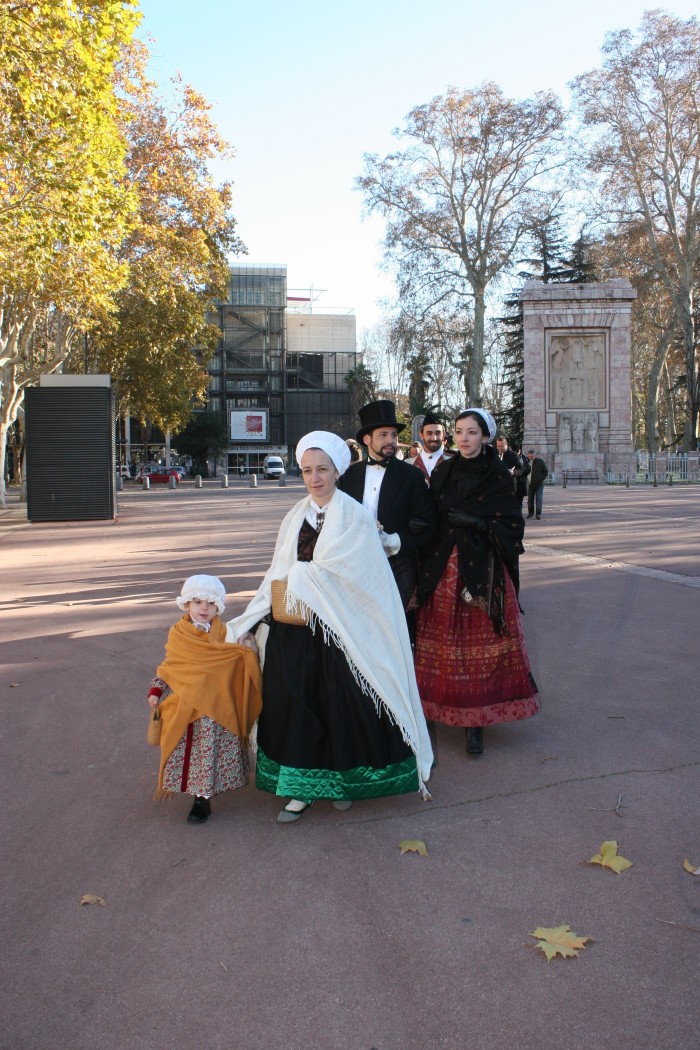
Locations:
(244, 934)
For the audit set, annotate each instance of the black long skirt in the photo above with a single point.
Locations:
(319, 735)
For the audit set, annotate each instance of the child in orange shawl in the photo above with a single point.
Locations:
(209, 695)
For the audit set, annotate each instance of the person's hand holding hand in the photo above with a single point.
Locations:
(248, 640)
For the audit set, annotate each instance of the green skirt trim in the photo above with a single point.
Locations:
(401, 778)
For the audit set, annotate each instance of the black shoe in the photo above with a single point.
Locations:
(475, 740)
(537, 517)
(530, 515)
(201, 808)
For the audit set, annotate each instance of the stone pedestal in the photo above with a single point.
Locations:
(578, 407)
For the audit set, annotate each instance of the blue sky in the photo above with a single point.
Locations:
(302, 90)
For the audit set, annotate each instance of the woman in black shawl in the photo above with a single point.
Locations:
(471, 663)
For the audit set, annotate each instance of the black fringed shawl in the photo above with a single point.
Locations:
(481, 486)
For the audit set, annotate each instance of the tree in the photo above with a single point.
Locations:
(455, 199)
(64, 204)
(361, 385)
(176, 251)
(205, 435)
(643, 112)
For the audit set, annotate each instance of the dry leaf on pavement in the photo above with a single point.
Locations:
(558, 940)
(689, 867)
(608, 858)
(413, 846)
(91, 898)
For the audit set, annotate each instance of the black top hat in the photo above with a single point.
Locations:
(431, 420)
(377, 414)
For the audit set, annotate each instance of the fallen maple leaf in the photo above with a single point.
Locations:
(91, 898)
(687, 866)
(413, 846)
(608, 858)
(558, 940)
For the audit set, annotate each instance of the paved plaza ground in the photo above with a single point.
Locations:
(244, 934)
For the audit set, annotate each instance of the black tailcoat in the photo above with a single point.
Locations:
(405, 507)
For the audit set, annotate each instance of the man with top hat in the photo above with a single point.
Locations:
(394, 493)
(432, 434)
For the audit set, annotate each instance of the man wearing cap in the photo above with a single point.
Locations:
(432, 433)
(393, 492)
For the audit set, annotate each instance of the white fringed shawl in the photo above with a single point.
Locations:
(348, 591)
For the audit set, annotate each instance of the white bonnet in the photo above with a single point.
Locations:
(334, 447)
(209, 588)
(487, 418)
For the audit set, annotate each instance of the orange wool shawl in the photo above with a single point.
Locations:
(208, 676)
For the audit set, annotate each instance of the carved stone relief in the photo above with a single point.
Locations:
(577, 371)
(577, 432)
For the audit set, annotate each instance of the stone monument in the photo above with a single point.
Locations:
(578, 401)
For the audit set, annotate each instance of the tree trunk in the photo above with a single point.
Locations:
(474, 372)
(652, 403)
(685, 312)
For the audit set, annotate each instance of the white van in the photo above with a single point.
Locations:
(273, 467)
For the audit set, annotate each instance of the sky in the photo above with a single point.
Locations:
(302, 90)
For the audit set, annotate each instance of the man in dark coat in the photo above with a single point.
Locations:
(535, 488)
(518, 465)
(394, 492)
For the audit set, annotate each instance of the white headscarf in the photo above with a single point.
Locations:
(487, 418)
(334, 447)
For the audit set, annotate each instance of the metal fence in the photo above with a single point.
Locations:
(660, 468)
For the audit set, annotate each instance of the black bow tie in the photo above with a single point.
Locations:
(377, 462)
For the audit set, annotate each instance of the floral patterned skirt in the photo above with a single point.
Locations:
(467, 674)
(208, 760)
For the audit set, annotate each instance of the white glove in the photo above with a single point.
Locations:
(390, 542)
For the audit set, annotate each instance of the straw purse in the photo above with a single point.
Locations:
(279, 611)
(154, 725)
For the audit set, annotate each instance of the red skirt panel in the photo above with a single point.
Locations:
(467, 674)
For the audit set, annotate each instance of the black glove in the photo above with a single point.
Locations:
(417, 525)
(461, 519)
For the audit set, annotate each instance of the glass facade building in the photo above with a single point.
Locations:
(291, 366)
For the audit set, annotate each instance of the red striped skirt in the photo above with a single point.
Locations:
(467, 674)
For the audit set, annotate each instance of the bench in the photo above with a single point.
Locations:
(580, 476)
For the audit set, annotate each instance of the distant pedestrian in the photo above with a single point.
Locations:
(208, 693)
(535, 488)
(514, 462)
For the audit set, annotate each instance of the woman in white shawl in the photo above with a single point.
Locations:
(341, 717)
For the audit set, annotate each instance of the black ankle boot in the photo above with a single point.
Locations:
(201, 808)
(475, 740)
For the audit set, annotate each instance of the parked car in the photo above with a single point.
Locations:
(123, 470)
(146, 468)
(273, 467)
(162, 475)
(182, 471)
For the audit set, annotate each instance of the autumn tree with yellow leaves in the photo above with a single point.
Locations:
(110, 222)
(65, 205)
(175, 252)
